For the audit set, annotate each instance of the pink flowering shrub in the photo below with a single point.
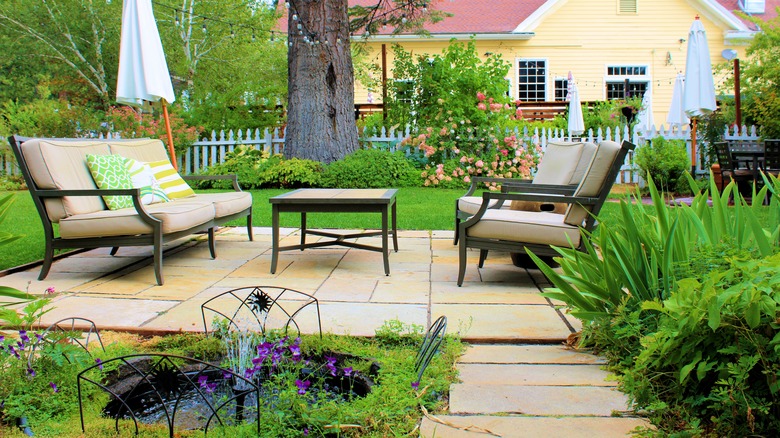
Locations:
(454, 150)
(129, 123)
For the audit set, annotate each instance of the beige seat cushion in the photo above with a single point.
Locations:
(594, 180)
(471, 204)
(526, 226)
(225, 204)
(175, 216)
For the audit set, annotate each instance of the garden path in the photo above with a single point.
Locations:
(517, 379)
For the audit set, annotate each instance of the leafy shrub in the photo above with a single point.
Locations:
(664, 160)
(368, 168)
(717, 350)
(291, 173)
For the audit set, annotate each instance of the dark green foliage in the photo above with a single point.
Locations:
(665, 161)
(192, 345)
(368, 168)
(257, 169)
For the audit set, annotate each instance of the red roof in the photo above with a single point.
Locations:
(770, 10)
(503, 16)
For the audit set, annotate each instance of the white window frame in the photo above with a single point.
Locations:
(622, 78)
(546, 78)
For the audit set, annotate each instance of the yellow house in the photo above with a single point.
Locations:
(605, 44)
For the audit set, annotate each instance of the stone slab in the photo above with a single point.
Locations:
(510, 426)
(108, 312)
(523, 374)
(528, 354)
(450, 293)
(466, 398)
(483, 322)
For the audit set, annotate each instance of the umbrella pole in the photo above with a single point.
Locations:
(693, 147)
(170, 135)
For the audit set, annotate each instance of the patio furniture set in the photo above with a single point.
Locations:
(743, 161)
(569, 188)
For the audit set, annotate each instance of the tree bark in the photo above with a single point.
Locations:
(321, 119)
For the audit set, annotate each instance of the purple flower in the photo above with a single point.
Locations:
(50, 290)
(331, 364)
(347, 371)
(39, 337)
(23, 336)
(202, 381)
(296, 352)
(54, 387)
(302, 385)
(415, 385)
(249, 373)
(14, 352)
(31, 372)
(2, 338)
(306, 431)
(99, 363)
(227, 375)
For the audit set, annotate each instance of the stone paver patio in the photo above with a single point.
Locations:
(517, 378)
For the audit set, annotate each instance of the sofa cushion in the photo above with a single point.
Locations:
(558, 163)
(142, 177)
(175, 216)
(110, 172)
(471, 204)
(139, 149)
(226, 203)
(62, 164)
(170, 181)
(526, 226)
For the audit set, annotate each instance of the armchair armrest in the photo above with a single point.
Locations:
(504, 197)
(478, 180)
(232, 177)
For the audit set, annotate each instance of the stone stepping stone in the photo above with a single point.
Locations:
(565, 427)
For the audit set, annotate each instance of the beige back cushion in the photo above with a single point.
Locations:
(142, 149)
(558, 163)
(594, 180)
(62, 164)
(588, 151)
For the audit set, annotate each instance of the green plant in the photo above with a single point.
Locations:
(716, 350)
(291, 173)
(367, 168)
(664, 160)
(639, 255)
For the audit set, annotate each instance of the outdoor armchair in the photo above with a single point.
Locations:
(519, 231)
(560, 170)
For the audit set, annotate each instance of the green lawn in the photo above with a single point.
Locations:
(418, 209)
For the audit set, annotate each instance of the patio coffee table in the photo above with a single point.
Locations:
(305, 201)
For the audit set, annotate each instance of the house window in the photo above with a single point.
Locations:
(561, 89)
(531, 80)
(621, 76)
(627, 6)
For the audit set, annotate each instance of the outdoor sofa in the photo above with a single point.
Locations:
(63, 188)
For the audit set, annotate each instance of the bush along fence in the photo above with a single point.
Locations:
(209, 151)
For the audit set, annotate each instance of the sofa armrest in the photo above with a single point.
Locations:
(478, 180)
(135, 194)
(232, 177)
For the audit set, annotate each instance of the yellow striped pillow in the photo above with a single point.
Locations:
(170, 181)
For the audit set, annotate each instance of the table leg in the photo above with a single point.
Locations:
(384, 241)
(303, 229)
(395, 229)
(274, 237)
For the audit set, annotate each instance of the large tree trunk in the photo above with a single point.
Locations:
(321, 101)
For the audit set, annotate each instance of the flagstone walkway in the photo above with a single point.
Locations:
(517, 379)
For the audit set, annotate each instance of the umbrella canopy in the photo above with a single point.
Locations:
(143, 75)
(699, 95)
(677, 116)
(576, 123)
(645, 117)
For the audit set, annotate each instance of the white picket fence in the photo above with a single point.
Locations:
(209, 151)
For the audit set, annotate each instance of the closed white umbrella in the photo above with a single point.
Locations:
(677, 116)
(576, 122)
(699, 94)
(645, 117)
(143, 76)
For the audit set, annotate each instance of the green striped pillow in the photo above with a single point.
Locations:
(109, 172)
(142, 177)
(170, 181)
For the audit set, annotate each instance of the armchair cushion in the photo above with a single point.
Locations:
(593, 182)
(471, 204)
(526, 226)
